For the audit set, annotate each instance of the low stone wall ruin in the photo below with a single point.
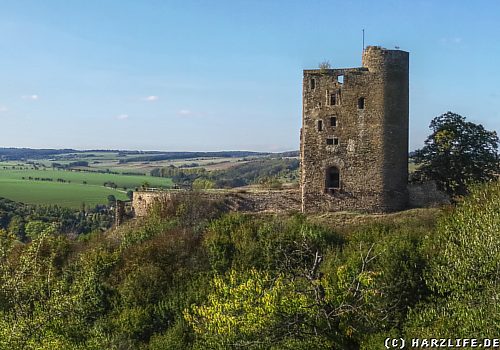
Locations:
(236, 200)
(253, 200)
(423, 195)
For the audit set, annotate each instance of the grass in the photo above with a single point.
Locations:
(344, 222)
(70, 195)
(128, 181)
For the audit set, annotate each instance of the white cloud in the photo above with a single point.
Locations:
(3, 109)
(455, 40)
(151, 98)
(122, 116)
(33, 97)
(185, 113)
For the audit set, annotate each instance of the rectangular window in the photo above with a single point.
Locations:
(312, 84)
(340, 79)
(333, 121)
(329, 141)
(361, 103)
(332, 178)
(336, 141)
(320, 125)
(333, 99)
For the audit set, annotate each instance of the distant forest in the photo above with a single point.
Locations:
(267, 171)
(140, 156)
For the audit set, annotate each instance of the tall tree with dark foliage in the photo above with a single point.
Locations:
(457, 153)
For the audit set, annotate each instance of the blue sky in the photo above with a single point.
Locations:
(214, 75)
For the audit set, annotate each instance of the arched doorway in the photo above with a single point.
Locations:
(332, 178)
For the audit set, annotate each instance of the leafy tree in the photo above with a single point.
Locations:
(253, 310)
(16, 226)
(340, 294)
(37, 228)
(111, 199)
(457, 153)
(202, 184)
(130, 194)
(463, 272)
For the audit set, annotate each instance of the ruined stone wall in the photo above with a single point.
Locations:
(234, 200)
(143, 200)
(370, 147)
(422, 195)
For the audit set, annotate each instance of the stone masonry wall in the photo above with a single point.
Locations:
(370, 149)
(420, 195)
(235, 200)
(426, 195)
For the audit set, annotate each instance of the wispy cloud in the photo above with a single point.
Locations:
(188, 113)
(122, 117)
(185, 113)
(3, 109)
(454, 40)
(151, 98)
(33, 97)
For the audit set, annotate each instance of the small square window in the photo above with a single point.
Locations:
(333, 121)
(329, 141)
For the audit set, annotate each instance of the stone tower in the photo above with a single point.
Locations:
(354, 137)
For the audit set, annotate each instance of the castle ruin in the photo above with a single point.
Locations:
(354, 136)
(353, 144)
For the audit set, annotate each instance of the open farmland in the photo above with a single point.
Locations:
(70, 195)
(122, 181)
(20, 182)
(121, 162)
(70, 177)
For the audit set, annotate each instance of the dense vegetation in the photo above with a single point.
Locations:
(270, 171)
(193, 277)
(29, 153)
(17, 219)
(457, 154)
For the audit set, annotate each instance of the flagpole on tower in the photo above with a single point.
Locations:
(363, 40)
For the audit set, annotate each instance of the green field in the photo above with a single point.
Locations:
(71, 193)
(128, 181)
(56, 179)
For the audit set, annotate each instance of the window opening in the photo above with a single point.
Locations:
(312, 84)
(320, 125)
(333, 121)
(340, 79)
(332, 178)
(333, 99)
(361, 103)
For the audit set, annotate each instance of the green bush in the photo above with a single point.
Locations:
(464, 271)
